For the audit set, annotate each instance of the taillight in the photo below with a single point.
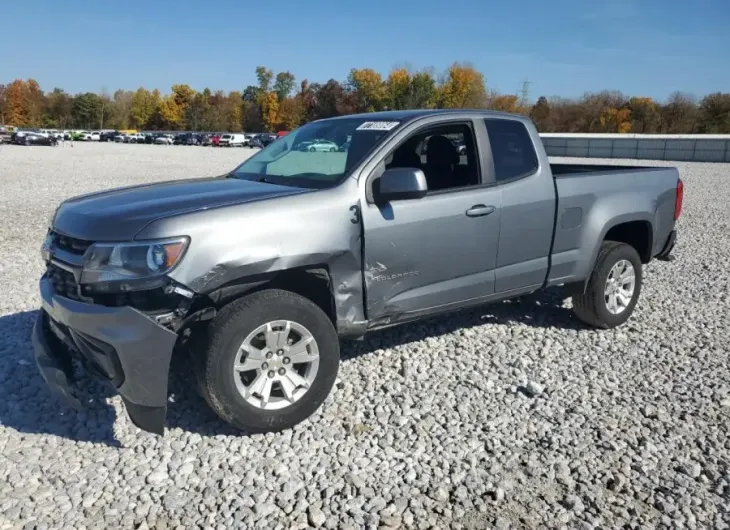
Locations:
(678, 199)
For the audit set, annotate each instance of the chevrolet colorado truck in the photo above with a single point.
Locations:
(258, 274)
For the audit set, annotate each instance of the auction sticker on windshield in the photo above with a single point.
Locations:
(378, 125)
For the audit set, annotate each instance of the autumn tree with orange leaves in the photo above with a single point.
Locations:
(615, 120)
(16, 110)
(368, 90)
(463, 87)
(505, 103)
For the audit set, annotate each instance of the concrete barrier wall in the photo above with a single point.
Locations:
(677, 147)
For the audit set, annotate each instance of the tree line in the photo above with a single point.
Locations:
(277, 102)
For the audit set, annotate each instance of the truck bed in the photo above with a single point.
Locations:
(592, 198)
(561, 170)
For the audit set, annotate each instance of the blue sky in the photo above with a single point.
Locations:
(563, 47)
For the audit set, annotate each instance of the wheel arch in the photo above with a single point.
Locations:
(635, 230)
(638, 234)
(632, 229)
(313, 282)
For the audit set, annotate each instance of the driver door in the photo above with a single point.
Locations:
(422, 255)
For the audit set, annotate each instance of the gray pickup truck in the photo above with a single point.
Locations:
(259, 273)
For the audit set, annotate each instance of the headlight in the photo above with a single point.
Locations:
(46, 247)
(130, 263)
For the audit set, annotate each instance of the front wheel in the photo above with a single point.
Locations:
(613, 288)
(271, 360)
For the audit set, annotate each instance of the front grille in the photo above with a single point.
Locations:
(70, 244)
(63, 282)
(147, 301)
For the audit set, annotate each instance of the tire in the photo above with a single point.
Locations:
(219, 383)
(591, 306)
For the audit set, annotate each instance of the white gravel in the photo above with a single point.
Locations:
(429, 425)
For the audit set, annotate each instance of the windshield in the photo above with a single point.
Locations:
(318, 154)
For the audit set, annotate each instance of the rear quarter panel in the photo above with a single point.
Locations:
(590, 204)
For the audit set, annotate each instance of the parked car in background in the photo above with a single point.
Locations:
(6, 132)
(37, 139)
(164, 139)
(262, 140)
(319, 145)
(188, 139)
(108, 136)
(18, 136)
(90, 136)
(232, 140)
(58, 135)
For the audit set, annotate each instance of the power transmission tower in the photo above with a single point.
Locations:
(524, 93)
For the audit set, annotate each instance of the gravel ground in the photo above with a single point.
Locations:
(510, 416)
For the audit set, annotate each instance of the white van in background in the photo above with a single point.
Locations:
(232, 140)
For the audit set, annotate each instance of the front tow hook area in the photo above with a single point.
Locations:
(55, 373)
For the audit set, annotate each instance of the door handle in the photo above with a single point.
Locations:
(479, 210)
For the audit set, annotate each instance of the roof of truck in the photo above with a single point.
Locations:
(408, 115)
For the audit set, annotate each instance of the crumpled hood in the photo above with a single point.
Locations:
(119, 214)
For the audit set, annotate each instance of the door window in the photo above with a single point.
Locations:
(445, 153)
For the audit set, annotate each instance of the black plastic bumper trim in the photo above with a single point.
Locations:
(665, 253)
(150, 419)
(54, 370)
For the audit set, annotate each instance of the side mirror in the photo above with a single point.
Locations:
(400, 183)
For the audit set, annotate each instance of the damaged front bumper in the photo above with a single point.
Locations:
(119, 344)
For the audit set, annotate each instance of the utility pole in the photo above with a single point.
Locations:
(104, 97)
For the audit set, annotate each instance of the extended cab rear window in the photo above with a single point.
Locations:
(512, 149)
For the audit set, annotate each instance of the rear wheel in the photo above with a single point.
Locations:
(613, 288)
(270, 362)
